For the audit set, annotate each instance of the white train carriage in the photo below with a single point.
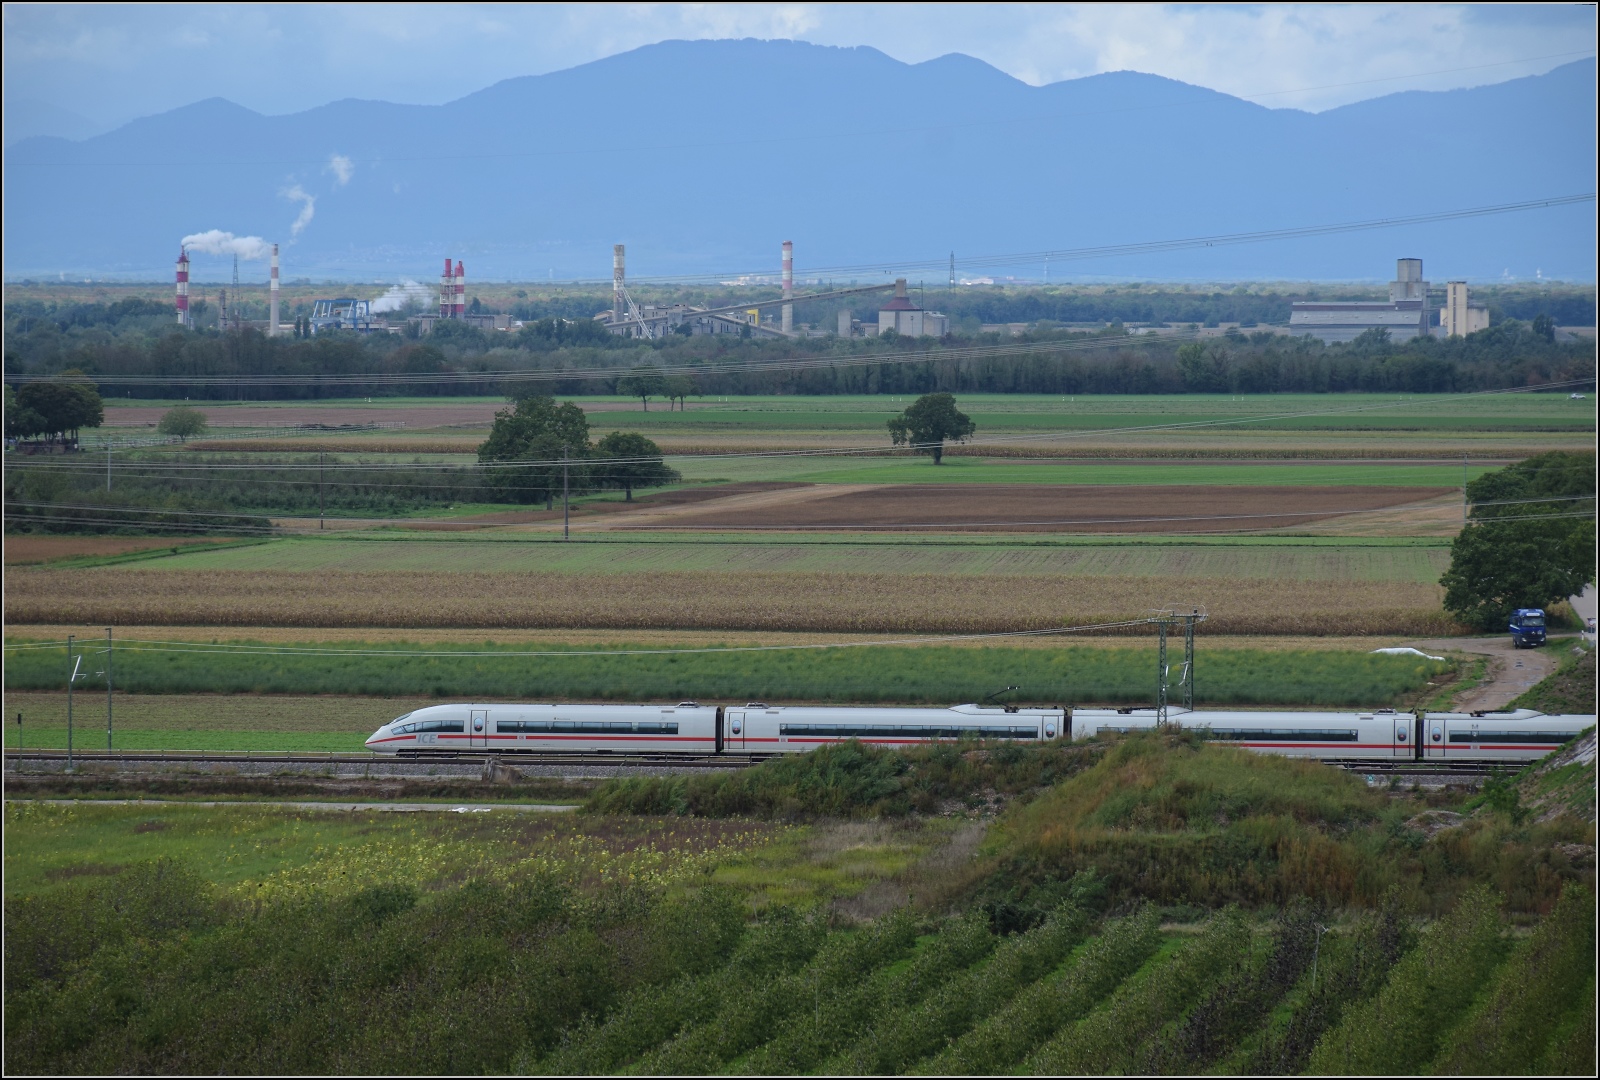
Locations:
(514, 728)
(1383, 735)
(759, 728)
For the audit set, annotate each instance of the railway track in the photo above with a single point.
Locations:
(1398, 769)
(271, 757)
(1423, 769)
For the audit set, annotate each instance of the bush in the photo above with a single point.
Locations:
(843, 962)
(1112, 1039)
(907, 1035)
(1003, 1040)
(1401, 1029)
(1547, 978)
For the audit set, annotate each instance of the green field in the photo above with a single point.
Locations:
(1284, 560)
(903, 469)
(190, 697)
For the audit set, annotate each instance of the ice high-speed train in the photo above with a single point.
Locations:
(759, 729)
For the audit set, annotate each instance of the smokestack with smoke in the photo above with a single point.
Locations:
(788, 286)
(447, 291)
(460, 311)
(400, 296)
(183, 287)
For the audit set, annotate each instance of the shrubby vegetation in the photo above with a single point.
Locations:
(604, 948)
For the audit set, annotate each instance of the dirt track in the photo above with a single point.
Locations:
(1512, 672)
(1034, 508)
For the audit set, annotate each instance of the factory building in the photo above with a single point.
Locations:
(1460, 315)
(907, 319)
(1406, 315)
(629, 319)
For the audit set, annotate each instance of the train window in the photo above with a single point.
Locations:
(905, 731)
(1543, 737)
(1283, 734)
(574, 727)
(442, 725)
(408, 729)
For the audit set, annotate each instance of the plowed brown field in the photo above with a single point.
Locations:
(21, 550)
(1052, 508)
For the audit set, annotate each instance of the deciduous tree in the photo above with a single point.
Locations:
(644, 383)
(930, 420)
(184, 421)
(1530, 540)
(629, 460)
(536, 429)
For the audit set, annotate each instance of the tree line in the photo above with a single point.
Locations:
(1114, 361)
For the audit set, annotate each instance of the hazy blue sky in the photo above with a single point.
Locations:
(111, 63)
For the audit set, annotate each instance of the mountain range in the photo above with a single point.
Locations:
(702, 156)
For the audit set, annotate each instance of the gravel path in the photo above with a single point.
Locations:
(1511, 671)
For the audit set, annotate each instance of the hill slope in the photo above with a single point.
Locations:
(704, 155)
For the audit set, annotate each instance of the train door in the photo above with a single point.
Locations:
(735, 737)
(1403, 747)
(478, 728)
(1433, 728)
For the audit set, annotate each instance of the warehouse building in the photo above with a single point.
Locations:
(1407, 314)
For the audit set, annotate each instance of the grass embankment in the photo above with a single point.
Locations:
(1164, 818)
(1570, 689)
(839, 602)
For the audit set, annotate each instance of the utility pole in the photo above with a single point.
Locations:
(108, 465)
(1463, 489)
(108, 689)
(952, 271)
(1188, 660)
(321, 506)
(1161, 673)
(72, 677)
(565, 531)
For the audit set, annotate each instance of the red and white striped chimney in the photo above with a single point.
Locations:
(447, 291)
(460, 311)
(272, 308)
(788, 286)
(183, 287)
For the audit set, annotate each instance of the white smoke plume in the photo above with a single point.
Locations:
(308, 207)
(399, 295)
(217, 242)
(342, 168)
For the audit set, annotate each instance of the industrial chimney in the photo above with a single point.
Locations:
(788, 286)
(460, 309)
(447, 291)
(272, 308)
(616, 284)
(183, 287)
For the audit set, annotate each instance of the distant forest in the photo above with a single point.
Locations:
(135, 337)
